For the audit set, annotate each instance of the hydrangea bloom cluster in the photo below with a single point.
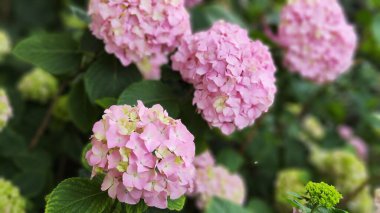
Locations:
(232, 75)
(192, 3)
(140, 31)
(5, 44)
(212, 180)
(38, 85)
(144, 153)
(5, 109)
(322, 194)
(360, 146)
(347, 172)
(377, 200)
(313, 127)
(319, 43)
(289, 180)
(10, 199)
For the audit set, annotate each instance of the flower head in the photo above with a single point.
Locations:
(5, 109)
(318, 41)
(212, 180)
(10, 198)
(144, 153)
(322, 194)
(232, 75)
(289, 180)
(346, 133)
(140, 31)
(192, 3)
(38, 85)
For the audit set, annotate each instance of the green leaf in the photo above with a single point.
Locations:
(140, 207)
(108, 78)
(258, 206)
(78, 195)
(81, 111)
(80, 13)
(83, 156)
(11, 143)
(55, 53)
(150, 93)
(204, 17)
(105, 103)
(376, 28)
(231, 159)
(35, 161)
(177, 205)
(218, 205)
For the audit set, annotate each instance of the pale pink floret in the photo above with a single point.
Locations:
(233, 76)
(144, 153)
(319, 43)
(140, 31)
(192, 3)
(347, 134)
(215, 181)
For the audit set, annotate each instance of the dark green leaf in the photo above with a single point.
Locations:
(108, 78)
(141, 207)
(231, 159)
(106, 102)
(55, 53)
(31, 183)
(81, 111)
(150, 93)
(78, 195)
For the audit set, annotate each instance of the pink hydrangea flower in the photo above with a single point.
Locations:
(319, 43)
(346, 133)
(140, 31)
(212, 180)
(192, 3)
(233, 76)
(144, 153)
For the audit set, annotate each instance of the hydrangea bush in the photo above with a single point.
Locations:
(116, 105)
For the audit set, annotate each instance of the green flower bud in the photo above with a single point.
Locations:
(5, 44)
(5, 109)
(38, 85)
(289, 180)
(322, 194)
(10, 199)
(60, 110)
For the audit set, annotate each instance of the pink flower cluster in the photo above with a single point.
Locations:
(140, 31)
(233, 76)
(192, 3)
(360, 146)
(144, 153)
(212, 180)
(318, 40)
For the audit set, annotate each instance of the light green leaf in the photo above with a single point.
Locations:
(150, 93)
(108, 78)
(177, 205)
(55, 53)
(78, 195)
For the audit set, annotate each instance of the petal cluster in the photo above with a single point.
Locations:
(38, 85)
(212, 180)
(144, 153)
(233, 76)
(322, 194)
(319, 43)
(11, 200)
(192, 3)
(5, 109)
(348, 172)
(348, 135)
(140, 31)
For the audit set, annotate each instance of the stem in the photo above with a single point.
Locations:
(45, 122)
